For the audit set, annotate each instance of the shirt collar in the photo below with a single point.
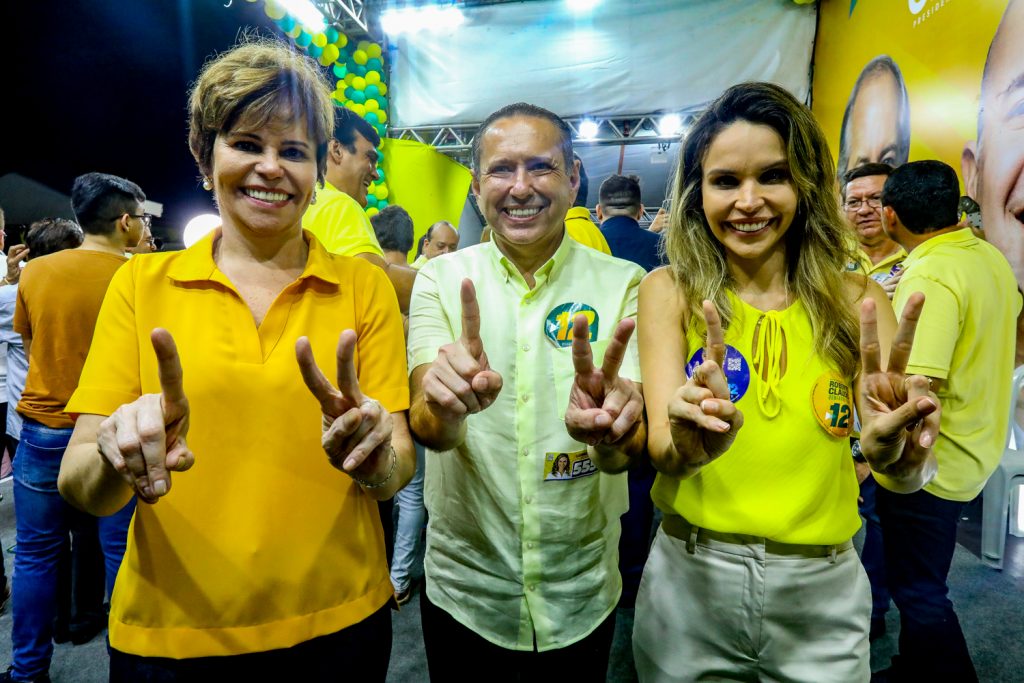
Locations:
(961, 238)
(546, 271)
(196, 263)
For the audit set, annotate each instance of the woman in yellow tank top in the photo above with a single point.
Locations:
(749, 355)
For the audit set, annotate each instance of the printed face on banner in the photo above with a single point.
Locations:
(993, 168)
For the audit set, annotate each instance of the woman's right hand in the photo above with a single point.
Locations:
(144, 440)
(703, 420)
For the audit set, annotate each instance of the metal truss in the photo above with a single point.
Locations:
(345, 14)
(638, 129)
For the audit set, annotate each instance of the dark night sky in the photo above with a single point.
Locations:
(100, 85)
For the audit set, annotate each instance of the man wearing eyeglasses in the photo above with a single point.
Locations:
(878, 257)
(58, 301)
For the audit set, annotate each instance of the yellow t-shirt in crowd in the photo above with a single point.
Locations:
(881, 271)
(262, 544)
(59, 297)
(788, 476)
(583, 230)
(966, 336)
(340, 224)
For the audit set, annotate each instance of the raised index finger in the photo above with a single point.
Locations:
(870, 349)
(471, 320)
(348, 381)
(903, 342)
(715, 345)
(582, 355)
(168, 367)
(615, 352)
(316, 382)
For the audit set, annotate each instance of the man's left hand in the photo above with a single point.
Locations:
(603, 407)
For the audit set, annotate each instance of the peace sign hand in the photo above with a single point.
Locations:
(899, 413)
(460, 381)
(603, 407)
(356, 429)
(145, 440)
(703, 419)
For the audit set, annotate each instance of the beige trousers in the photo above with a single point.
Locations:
(726, 611)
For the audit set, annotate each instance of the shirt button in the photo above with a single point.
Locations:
(533, 587)
(526, 398)
(526, 347)
(529, 546)
(526, 452)
(528, 499)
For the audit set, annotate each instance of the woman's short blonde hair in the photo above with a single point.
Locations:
(257, 82)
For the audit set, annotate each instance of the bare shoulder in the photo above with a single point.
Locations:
(859, 287)
(659, 291)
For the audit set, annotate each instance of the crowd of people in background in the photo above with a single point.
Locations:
(219, 440)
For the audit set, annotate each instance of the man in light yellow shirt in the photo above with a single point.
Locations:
(521, 566)
(878, 257)
(965, 345)
(337, 217)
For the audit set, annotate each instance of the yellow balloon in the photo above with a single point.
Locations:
(319, 39)
(359, 109)
(342, 40)
(329, 55)
(382, 88)
(372, 77)
(349, 78)
(363, 45)
(372, 211)
(359, 57)
(381, 192)
(374, 51)
(358, 83)
(372, 105)
(382, 116)
(295, 32)
(274, 11)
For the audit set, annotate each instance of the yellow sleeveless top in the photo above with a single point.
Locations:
(788, 476)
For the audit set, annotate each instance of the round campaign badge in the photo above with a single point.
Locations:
(832, 402)
(558, 324)
(737, 370)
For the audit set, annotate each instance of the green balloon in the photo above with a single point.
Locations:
(357, 96)
(372, 91)
(371, 116)
(287, 23)
(304, 39)
(381, 204)
(332, 34)
(340, 70)
(380, 172)
(359, 70)
(315, 51)
(382, 101)
(371, 200)
(374, 65)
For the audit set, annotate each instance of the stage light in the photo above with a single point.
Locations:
(588, 129)
(307, 14)
(198, 227)
(580, 6)
(412, 19)
(670, 126)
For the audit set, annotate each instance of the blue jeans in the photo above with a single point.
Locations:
(43, 520)
(411, 518)
(873, 554)
(919, 531)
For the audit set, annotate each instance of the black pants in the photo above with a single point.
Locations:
(919, 534)
(359, 653)
(456, 654)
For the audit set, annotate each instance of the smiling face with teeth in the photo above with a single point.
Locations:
(263, 178)
(748, 193)
(993, 168)
(524, 187)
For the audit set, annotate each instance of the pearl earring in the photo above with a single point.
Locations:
(313, 200)
(207, 185)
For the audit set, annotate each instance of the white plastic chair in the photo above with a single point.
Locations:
(996, 503)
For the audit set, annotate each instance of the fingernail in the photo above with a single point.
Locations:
(706, 406)
(602, 421)
(926, 440)
(160, 487)
(720, 426)
(349, 464)
(148, 492)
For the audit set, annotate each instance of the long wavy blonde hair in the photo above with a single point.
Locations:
(817, 250)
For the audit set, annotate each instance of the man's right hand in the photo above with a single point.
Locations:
(15, 255)
(889, 285)
(460, 381)
(703, 420)
(145, 440)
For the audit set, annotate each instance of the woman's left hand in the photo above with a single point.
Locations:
(356, 428)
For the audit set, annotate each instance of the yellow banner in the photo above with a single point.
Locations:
(902, 80)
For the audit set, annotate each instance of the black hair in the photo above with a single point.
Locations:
(924, 194)
(347, 124)
(531, 110)
(865, 170)
(50, 235)
(620, 193)
(99, 199)
(394, 229)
